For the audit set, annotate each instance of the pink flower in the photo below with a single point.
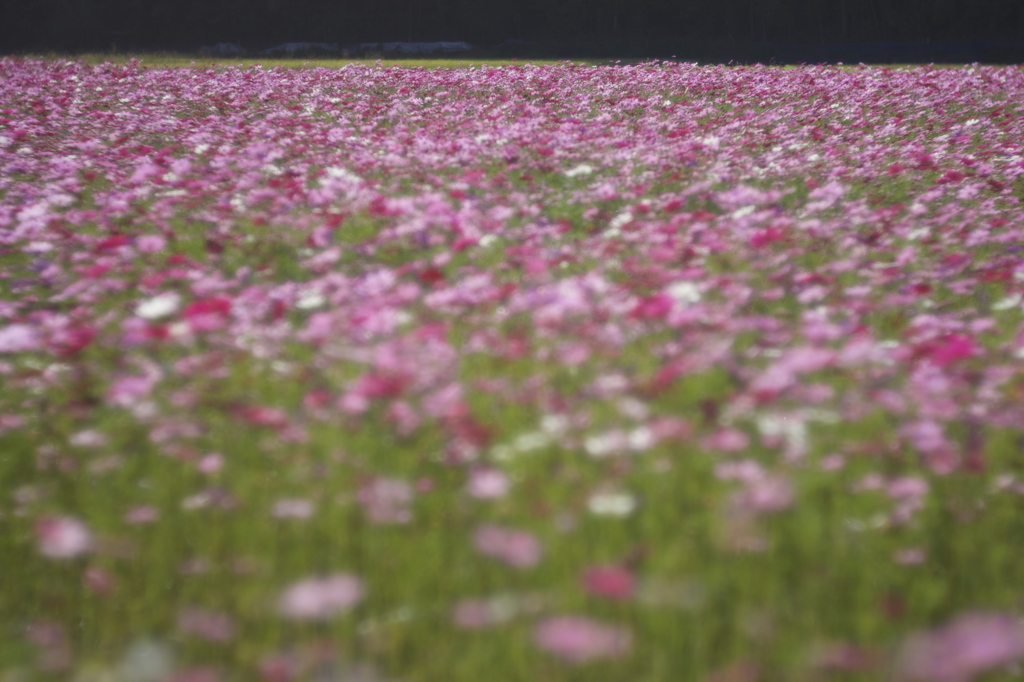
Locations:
(487, 484)
(613, 582)
(727, 440)
(209, 625)
(143, 514)
(968, 646)
(514, 547)
(577, 640)
(16, 338)
(952, 348)
(320, 598)
(765, 495)
(475, 613)
(62, 537)
(387, 500)
(805, 360)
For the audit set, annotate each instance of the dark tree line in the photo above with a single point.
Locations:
(624, 25)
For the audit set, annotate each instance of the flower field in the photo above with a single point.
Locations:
(523, 373)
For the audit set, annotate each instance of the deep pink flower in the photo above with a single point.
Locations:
(613, 582)
(951, 348)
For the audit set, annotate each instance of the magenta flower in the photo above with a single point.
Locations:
(320, 598)
(613, 582)
(578, 640)
(952, 348)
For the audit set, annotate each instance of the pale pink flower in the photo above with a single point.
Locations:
(805, 360)
(293, 509)
(576, 639)
(142, 514)
(320, 598)
(475, 613)
(911, 556)
(17, 338)
(210, 463)
(907, 487)
(765, 495)
(971, 644)
(514, 547)
(129, 390)
(727, 440)
(213, 626)
(487, 484)
(150, 243)
(387, 500)
(481, 613)
(62, 537)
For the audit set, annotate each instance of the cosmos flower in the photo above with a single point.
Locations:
(320, 598)
(576, 639)
(62, 537)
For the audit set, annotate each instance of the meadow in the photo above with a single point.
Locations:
(523, 372)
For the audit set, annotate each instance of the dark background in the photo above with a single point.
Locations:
(742, 30)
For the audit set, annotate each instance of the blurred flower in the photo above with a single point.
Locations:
(159, 306)
(209, 625)
(480, 613)
(577, 640)
(611, 504)
(387, 500)
(514, 547)
(320, 598)
(971, 644)
(613, 582)
(62, 537)
(487, 483)
(147, 660)
(16, 338)
(292, 509)
(767, 494)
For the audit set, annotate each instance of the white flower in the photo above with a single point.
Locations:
(1007, 303)
(582, 169)
(620, 220)
(159, 306)
(684, 292)
(611, 504)
(309, 299)
(340, 173)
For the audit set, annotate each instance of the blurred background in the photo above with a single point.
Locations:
(716, 30)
